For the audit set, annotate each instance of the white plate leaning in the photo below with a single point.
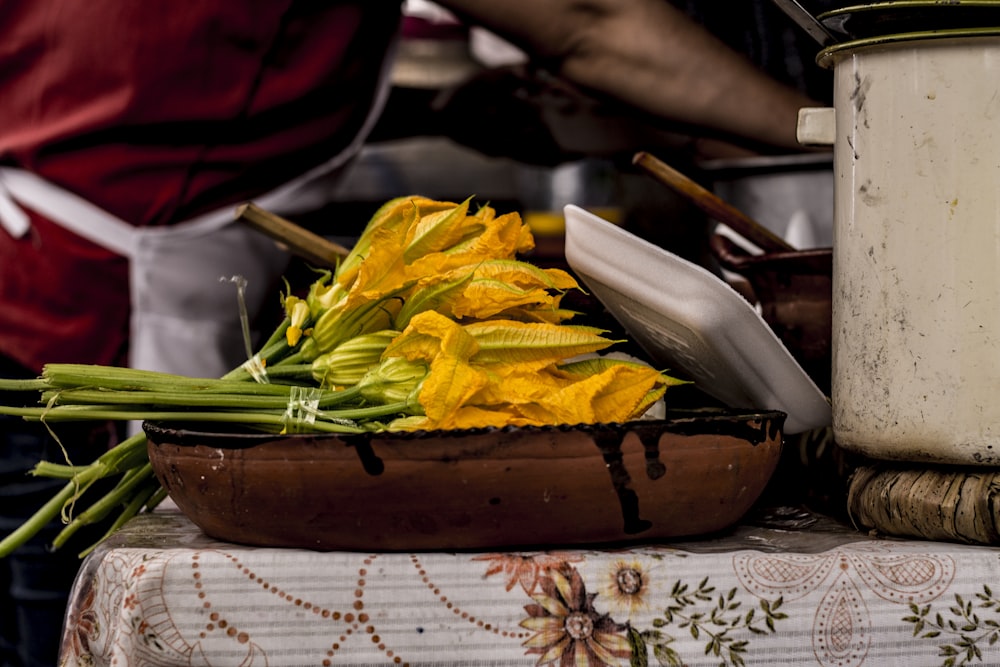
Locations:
(692, 322)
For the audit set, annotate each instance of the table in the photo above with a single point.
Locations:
(784, 588)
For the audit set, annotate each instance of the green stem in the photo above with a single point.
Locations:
(293, 360)
(284, 370)
(159, 495)
(56, 470)
(76, 376)
(71, 413)
(278, 334)
(114, 377)
(128, 454)
(32, 384)
(154, 399)
(369, 412)
(100, 509)
(46, 514)
(270, 354)
(50, 510)
(141, 497)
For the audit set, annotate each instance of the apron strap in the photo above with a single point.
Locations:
(71, 211)
(12, 218)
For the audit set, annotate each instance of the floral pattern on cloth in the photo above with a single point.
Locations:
(863, 602)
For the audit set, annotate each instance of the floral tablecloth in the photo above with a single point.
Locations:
(792, 589)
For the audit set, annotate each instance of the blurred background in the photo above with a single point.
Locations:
(468, 114)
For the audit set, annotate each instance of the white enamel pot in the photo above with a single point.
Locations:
(916, 266)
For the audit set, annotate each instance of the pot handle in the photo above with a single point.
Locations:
(730, 255)
(817, 126)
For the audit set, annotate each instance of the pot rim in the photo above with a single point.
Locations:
(833, 54)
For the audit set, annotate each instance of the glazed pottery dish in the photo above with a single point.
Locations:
(692, 473)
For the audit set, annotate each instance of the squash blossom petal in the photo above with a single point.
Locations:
(483, 298)
(324, 294)
(397, 213)
(515, 384)
(436, 231)
(593, 366)
(510, 341)
(449, 386)
(501, 239)
(443, 343)
(614, 395)
(436, 292)
(348, 363)
(394, 380)
(384, 268)
(297, 312)
(525, 274)
(467, 417)
(539, 314)
(431, 334)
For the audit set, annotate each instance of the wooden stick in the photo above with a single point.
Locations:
(300, 241)
(715, 207)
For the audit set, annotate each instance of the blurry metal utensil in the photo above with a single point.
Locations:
(805, 20)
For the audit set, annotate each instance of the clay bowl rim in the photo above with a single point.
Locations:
(235, 436)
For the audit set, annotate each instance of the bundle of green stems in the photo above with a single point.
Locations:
(78, 392)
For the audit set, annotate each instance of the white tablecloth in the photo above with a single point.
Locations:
(800, 590)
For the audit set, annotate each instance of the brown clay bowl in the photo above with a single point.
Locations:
(795, 292)
(692, 473)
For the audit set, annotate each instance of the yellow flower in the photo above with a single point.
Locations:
(395, 213)
(626, 587)
(436, 231)
(595, 365)
(347, 363)
(432, 293)
(484, 298)
(488, 238)
(446, 347)
(508, 341)
(568, 630)
(483, 339)
(505, 373)
(395, 380)
(297, 312)
(324, 294)
(348, 320)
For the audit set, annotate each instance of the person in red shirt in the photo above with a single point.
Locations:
(129, 132)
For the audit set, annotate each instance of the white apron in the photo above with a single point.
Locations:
(185, 317)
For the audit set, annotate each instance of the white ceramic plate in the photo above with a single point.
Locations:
(692, 322)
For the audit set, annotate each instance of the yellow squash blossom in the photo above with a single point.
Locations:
(513, 380)
(483, 336)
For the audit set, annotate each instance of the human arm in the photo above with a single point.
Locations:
(651, 56)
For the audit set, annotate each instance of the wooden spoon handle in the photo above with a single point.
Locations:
(715, 207)
(299, 240)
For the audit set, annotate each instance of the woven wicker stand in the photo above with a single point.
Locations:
(935, 503)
